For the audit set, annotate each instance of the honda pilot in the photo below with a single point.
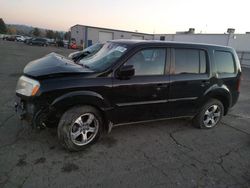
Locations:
(128, 81)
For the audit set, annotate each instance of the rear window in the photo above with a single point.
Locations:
(224, 62)
(190, 61)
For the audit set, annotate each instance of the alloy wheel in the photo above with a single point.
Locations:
(84, 129)
(212, 116)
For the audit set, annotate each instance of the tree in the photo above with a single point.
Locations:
(11, 30)
(36, 32)
(50, 34)
(58, 35)
(3, 28)
(67, 35)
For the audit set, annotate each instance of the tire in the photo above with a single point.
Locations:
(209, 115)
(69, 127)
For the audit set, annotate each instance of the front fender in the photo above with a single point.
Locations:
(80, 97)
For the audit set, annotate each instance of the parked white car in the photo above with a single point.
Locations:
(20, 38)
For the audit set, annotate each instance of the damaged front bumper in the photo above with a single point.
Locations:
(23, 109)
(33, 114)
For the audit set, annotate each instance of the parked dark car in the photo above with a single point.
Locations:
(4, 36)
(86, 53)
(128, 81)
(38, 41)
(27, 40)
(10, 38)
(51, 42)
(60, 43)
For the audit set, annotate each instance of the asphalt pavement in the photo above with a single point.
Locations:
(168, 153)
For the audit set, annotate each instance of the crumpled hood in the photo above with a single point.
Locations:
(52, 64)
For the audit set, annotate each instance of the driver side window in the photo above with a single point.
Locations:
(148, 62)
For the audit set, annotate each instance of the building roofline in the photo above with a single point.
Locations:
(140, 33)
(112, 29)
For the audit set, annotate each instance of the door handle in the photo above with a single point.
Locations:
(162, 85)
(204, 83)
(159, 87)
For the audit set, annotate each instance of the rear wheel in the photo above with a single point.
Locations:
(80, 127)
(209, 115)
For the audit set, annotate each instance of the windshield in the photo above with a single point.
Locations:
(94, 48)
(86, 53)
(105, 57)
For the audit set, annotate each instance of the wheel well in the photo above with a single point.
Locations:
(60, 112)
(224, 101)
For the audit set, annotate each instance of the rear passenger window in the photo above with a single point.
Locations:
(190, 61)
(224, 62)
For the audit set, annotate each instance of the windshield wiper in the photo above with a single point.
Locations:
(83, 65)
(84, 54)
(86, 66)
(87, 52)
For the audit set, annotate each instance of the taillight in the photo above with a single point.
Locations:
(238, 84)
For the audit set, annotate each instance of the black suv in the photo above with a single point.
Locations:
(39, 42)
(128, 81)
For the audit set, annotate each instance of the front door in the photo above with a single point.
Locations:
(144, 95)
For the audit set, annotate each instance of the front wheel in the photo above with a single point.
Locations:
(79, 127)
(209, 115)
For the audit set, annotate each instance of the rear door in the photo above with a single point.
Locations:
(144, 95)
(189, 80)
(227, 71)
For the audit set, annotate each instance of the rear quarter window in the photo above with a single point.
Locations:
(224, 62)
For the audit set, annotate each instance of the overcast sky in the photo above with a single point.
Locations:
(151, 16)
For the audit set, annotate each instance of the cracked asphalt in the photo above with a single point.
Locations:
(162, 154)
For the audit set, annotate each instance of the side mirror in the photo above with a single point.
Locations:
(126, 72)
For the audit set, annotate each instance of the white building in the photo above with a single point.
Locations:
(87, 35)
(240, 42)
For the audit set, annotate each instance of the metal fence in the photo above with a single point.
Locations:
(244, 58)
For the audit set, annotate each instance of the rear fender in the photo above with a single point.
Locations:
(221, 93)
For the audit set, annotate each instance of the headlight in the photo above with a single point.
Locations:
(27, 86)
